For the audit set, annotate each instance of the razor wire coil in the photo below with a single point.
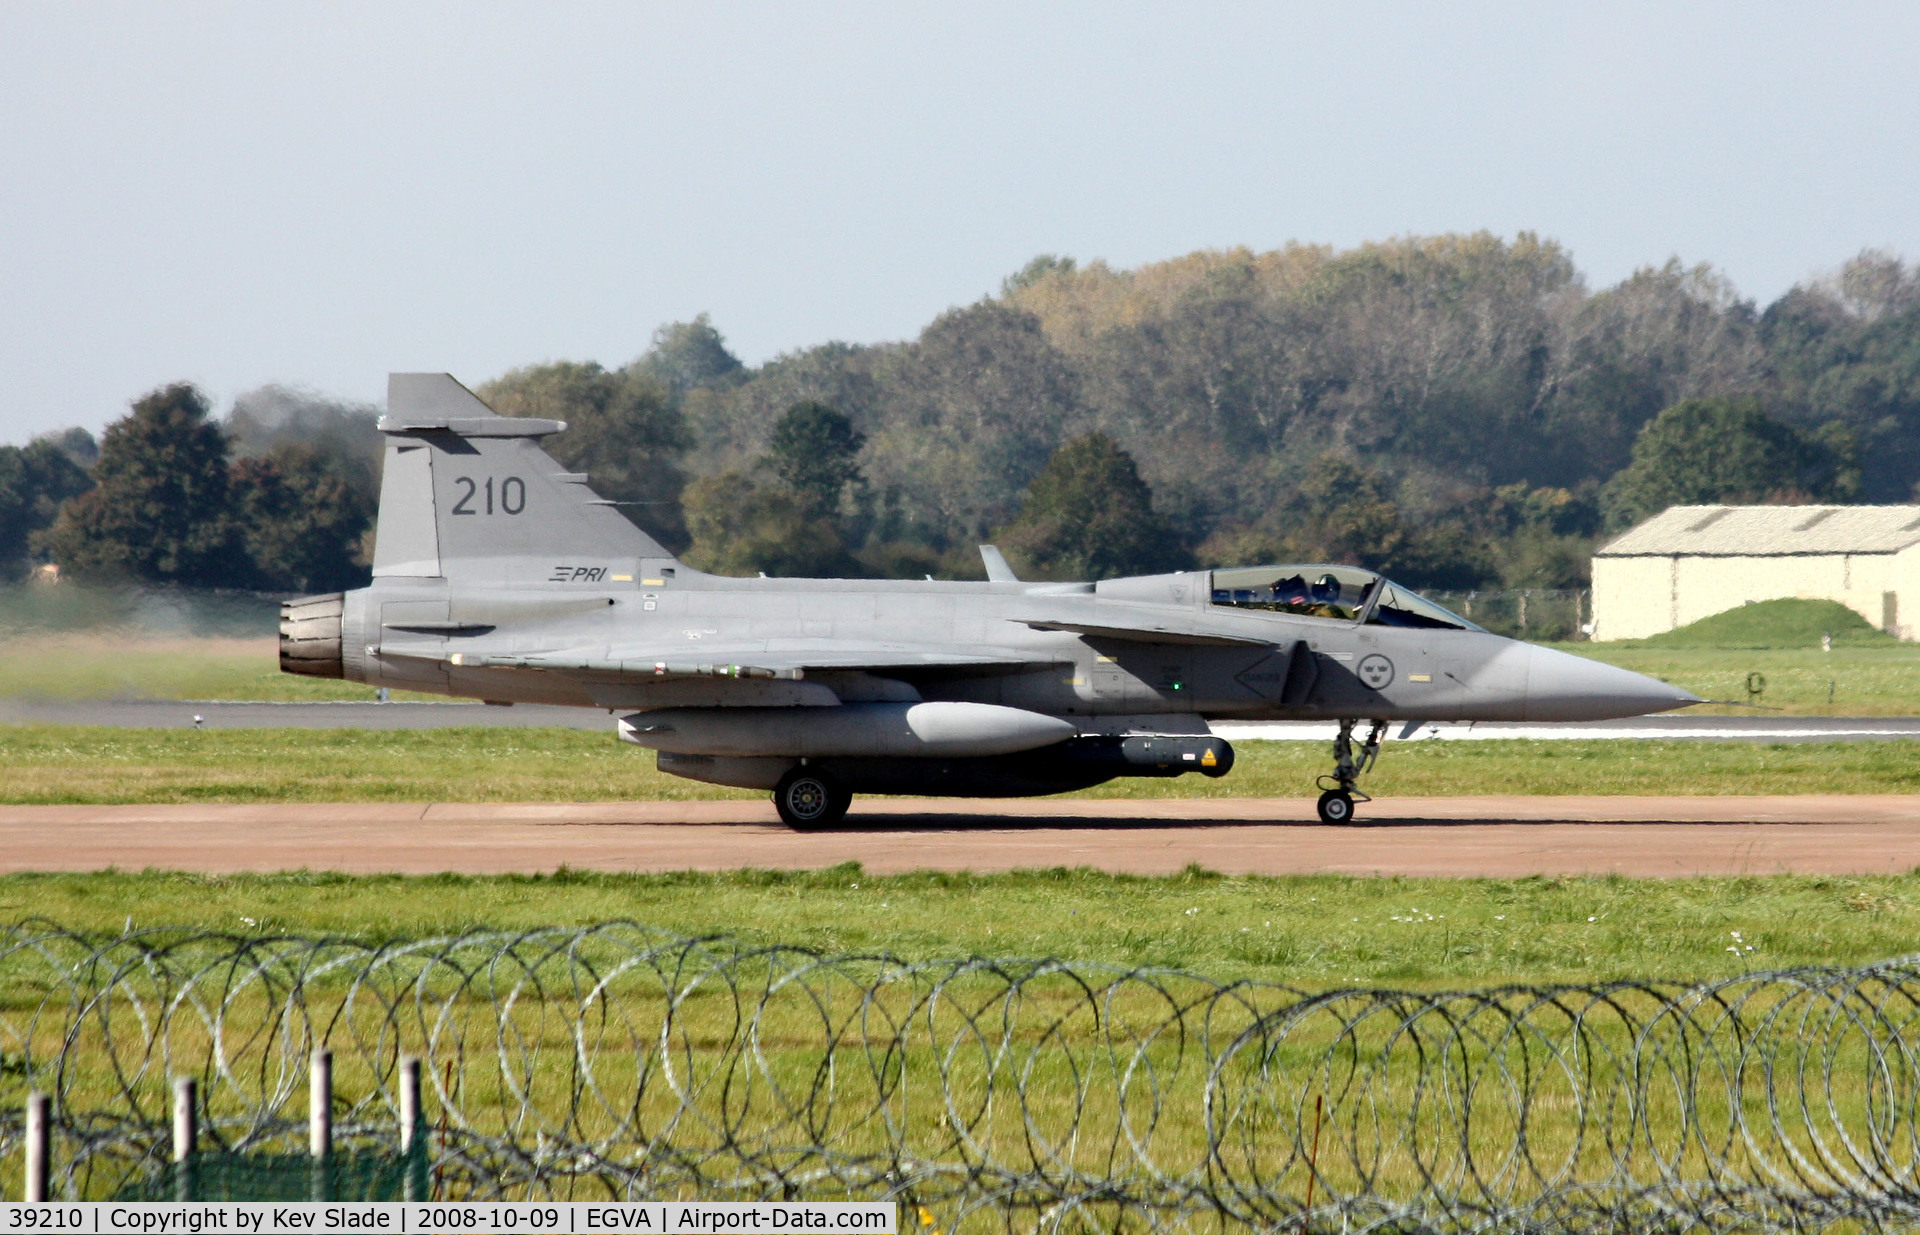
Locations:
(623, 1062)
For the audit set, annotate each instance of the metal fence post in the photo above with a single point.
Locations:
(413, 1141)
(185, 1133)
(38, 1147)
(320, 1122)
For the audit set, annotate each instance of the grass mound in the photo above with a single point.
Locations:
(1776, 624)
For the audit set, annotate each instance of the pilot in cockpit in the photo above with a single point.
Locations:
(1291, 592)
(1325, 600)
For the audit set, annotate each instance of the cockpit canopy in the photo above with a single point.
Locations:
(1316, 591)
(1342, 593)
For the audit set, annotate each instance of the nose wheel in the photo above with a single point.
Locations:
(1339, 794)
(1336, 806)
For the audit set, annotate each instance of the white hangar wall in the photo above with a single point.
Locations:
(1691, 562)
(1634, 597)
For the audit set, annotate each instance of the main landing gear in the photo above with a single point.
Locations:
(807, 800)
(1338, 792)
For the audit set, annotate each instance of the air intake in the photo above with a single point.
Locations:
(310, 635)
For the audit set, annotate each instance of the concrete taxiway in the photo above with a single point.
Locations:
(1478, 836)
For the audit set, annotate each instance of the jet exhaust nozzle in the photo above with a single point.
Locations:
(310, 635)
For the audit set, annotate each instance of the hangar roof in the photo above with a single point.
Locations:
(1769, 531)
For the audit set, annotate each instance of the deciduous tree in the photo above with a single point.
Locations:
(304, 516)
(34, 480)
(159, 509)
(1703, 451)
(1088, 515)
(623, 430)
(815, 452)
(687, 355)
(741, 527)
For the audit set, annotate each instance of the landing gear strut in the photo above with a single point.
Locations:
(1338, 793)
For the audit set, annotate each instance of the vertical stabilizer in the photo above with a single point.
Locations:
(468, 494)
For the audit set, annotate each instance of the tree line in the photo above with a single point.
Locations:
(1459, 410)
(281, 496)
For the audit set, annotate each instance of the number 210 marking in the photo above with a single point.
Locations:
(513, 496)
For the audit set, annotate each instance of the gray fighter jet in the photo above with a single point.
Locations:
(499, 576)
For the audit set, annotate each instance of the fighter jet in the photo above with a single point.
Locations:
(500, 576)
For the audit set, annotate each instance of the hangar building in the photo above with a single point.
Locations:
(1690, 562)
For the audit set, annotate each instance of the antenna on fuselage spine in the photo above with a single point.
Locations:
(996, 563)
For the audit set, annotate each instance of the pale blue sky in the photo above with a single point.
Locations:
(316, 194)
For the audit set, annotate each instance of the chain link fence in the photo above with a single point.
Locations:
(1536, 613)
(619, 1061)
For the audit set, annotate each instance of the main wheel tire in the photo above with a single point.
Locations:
(1336, 806)
(808, 800)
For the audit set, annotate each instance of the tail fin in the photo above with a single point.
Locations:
(468, 494)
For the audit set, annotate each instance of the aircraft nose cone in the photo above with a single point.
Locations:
(1564, 687)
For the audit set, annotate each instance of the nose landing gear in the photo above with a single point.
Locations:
(1338, 793)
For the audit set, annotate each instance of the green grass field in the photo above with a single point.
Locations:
(113, 666)
(1848, 681)
(74, 764)
(1866, 673)
(1055, 1073)
(1321, 931)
